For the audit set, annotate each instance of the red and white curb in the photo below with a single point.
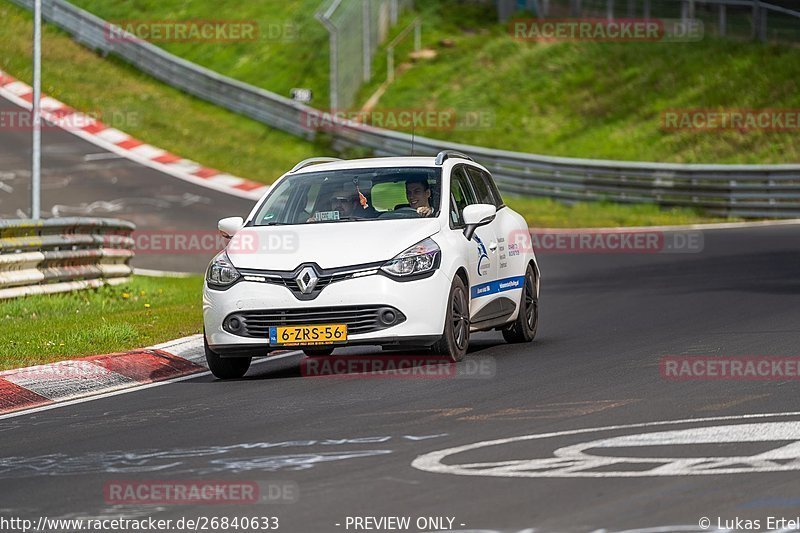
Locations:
(124, 145)
(43, 385)
(36, 388)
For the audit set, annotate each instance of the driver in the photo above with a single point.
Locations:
(418, 193)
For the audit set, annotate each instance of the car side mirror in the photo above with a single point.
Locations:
(229, 226)
(477, 215)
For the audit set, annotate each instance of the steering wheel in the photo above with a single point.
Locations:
(402, 212)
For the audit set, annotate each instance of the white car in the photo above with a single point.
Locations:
(411, 252)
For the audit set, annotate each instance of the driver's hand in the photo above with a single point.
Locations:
(424, 211)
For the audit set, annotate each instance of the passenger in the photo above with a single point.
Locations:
(348, 202)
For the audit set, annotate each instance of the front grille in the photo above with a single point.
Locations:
(323, 282)
(359, 319)
(324, 277)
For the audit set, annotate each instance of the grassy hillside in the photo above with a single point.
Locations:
(598, 100)
(595, 100)
(167, 118)
(291, 49)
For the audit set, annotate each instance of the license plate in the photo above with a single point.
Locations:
(307, 335)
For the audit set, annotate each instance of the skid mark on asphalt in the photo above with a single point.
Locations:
(552, 410)
(434, 414)
(732, 402)
(543, 411)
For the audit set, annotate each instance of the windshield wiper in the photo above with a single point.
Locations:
(346, 219)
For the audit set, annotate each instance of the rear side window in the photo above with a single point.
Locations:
(481, 189)
(498, 200)
(485, 188)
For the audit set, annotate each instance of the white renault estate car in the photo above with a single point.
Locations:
(412, 252)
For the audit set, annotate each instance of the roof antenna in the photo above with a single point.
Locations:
(413, 129)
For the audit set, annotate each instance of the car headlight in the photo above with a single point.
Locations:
(221, 273)
(418, 259)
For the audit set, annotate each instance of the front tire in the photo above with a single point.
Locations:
(455, 337)
(523, 329)
(228, 368)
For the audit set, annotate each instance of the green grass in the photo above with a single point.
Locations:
(547, 213)
(143, 312)
(591, 100)
(278, 60)
(147, 109)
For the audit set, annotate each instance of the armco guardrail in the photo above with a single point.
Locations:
(63, 254)
(735, 190)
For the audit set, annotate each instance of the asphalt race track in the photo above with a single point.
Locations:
(81, 179)
(346, 445)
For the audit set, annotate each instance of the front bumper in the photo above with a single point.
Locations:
(423, 303)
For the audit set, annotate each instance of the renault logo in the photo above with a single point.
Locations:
(306, 280)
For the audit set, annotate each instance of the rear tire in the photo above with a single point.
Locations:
(523, 329)
(318, 352)
(455, 337)
(227, 368)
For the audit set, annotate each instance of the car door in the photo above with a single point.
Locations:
(507, 226)
(481, 251)
(508, 280)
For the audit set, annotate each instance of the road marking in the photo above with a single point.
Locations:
(783, 439)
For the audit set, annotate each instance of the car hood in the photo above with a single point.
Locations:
(329, 245)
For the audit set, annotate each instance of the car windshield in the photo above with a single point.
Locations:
(353, 194)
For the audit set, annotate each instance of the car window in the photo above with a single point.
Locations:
(482, 191)
(352, 194)
(498, 200)
(387, 196)
(461, 195)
